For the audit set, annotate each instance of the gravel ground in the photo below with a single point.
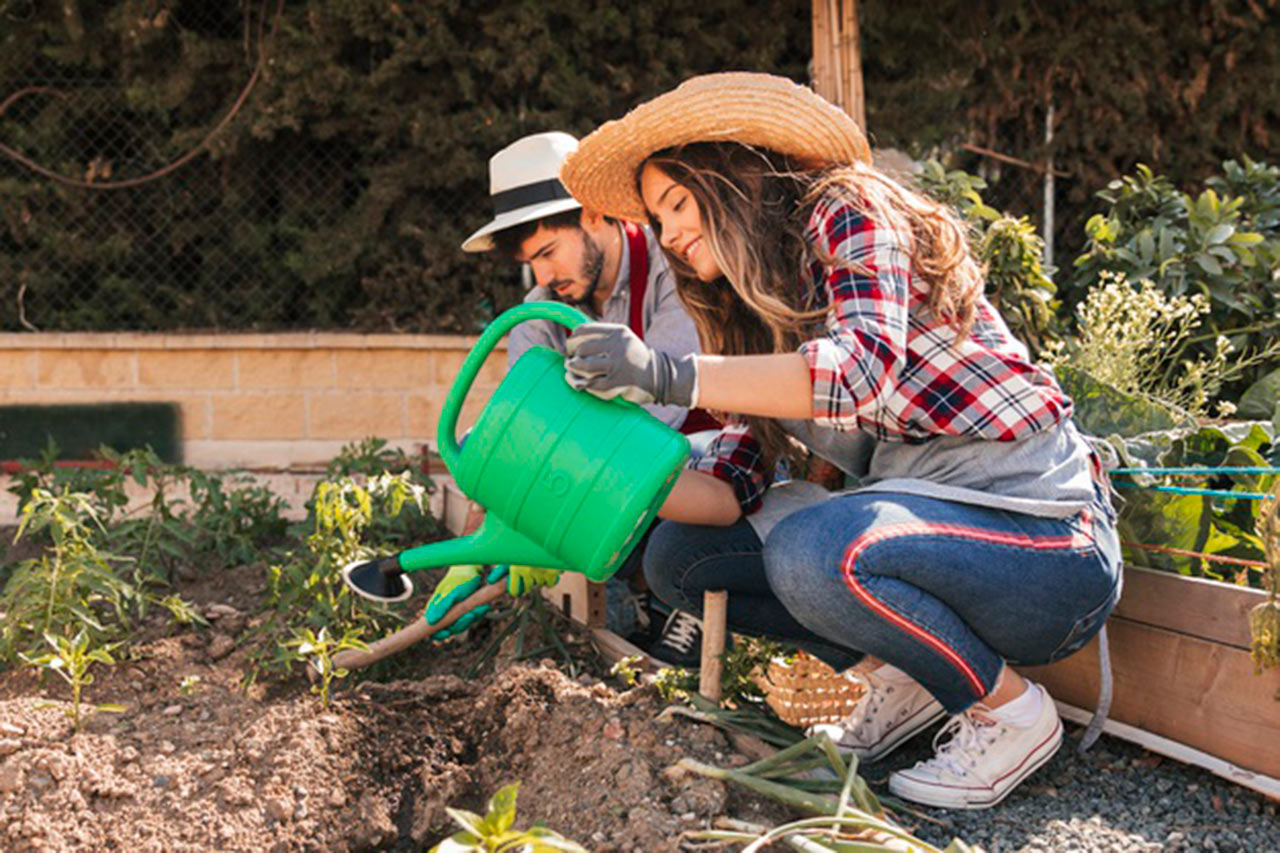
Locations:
(1115, 797)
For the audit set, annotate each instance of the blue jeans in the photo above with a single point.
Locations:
(947, 592)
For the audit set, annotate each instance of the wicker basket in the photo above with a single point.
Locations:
(806, 691)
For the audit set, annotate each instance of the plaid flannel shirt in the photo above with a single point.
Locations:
(883, 363)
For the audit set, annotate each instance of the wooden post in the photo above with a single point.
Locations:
(715, 606)
(837, 56)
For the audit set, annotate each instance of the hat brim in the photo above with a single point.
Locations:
(482, 240)
(754, 109)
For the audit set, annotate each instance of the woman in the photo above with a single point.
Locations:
(842, 314)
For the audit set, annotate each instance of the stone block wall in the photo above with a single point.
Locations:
(268, 401)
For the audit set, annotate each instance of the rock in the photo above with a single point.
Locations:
(167, 748)
(8, 746)
(217, 611)
(11, 729)
(10, 779)
(279, 807)
(172, 710)
(701, 797)
(220, 646)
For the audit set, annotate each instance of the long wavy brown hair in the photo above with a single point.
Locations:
(755, 205)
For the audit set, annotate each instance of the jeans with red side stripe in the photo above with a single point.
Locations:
(947, 592)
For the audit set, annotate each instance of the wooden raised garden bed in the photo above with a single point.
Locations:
(1184, 684)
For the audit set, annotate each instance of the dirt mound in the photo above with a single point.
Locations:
(222, 769)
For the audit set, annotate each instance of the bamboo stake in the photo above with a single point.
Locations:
(715, 605)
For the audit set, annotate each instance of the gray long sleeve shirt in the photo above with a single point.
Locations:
(666, 325)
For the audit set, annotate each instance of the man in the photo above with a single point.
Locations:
(612, 271)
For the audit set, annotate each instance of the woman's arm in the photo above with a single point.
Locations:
(699, 498)
(772, 386)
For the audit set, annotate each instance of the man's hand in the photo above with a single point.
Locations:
(609, 360)
(457, 584)
(522, 579)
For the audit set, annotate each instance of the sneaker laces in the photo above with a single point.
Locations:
(680, 632)
(967, 737)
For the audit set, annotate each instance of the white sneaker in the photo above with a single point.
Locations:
(889, 714)
(983, 759)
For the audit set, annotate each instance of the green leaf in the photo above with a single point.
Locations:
(502, 808)
(1209, 264)
(1219, 233)
(1259, 400)
(1245, 238)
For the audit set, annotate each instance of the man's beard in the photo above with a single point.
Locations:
(592, 266)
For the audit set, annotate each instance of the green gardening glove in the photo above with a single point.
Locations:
(522, 579)
(457, 584)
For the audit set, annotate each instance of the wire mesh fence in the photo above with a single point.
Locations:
(275, 165)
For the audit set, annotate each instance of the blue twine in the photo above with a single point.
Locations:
(1216, 493)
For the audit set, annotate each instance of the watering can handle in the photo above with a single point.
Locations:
(554, 311)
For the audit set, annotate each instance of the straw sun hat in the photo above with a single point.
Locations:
(756, 109)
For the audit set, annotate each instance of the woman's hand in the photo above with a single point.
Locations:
(609, 360)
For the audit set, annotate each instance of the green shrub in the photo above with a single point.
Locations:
(1010, 252)
(1223, 242)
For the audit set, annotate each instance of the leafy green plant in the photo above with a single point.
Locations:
(1009, 250)
(189, 685)
(72, 586)
(102, 483)
(71, 659)
(371, 457)
(494, 832)
(306, 588)
(1217, 525)
(234, 518)
(317, 650)
(1223, 243)
(155, 535)
(1134, 339)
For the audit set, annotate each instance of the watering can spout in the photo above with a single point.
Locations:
(493, 543)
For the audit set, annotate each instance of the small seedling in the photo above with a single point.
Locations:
(189, 685)
(71, 660)
(629, 669)
(317, 650)
(493, 833)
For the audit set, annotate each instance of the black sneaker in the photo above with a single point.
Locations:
(680, 642)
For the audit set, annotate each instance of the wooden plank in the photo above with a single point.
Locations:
(1193, 691)
(852, 100)
(824, 59)
(1193, 606)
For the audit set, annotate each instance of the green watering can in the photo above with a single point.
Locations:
(569, 481)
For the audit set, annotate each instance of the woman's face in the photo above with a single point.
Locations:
(672, 206)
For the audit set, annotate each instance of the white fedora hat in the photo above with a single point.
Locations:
(524, 183)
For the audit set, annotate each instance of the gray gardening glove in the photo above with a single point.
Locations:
(609, 360)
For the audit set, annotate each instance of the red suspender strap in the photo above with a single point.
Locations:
(639, 250)
(696, 420)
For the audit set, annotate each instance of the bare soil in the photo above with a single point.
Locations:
(223, 767)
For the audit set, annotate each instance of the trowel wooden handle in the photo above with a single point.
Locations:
(418, 629)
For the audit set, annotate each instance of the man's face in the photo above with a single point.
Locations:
(564, 260)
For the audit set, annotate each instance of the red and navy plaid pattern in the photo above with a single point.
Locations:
(883, 363)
